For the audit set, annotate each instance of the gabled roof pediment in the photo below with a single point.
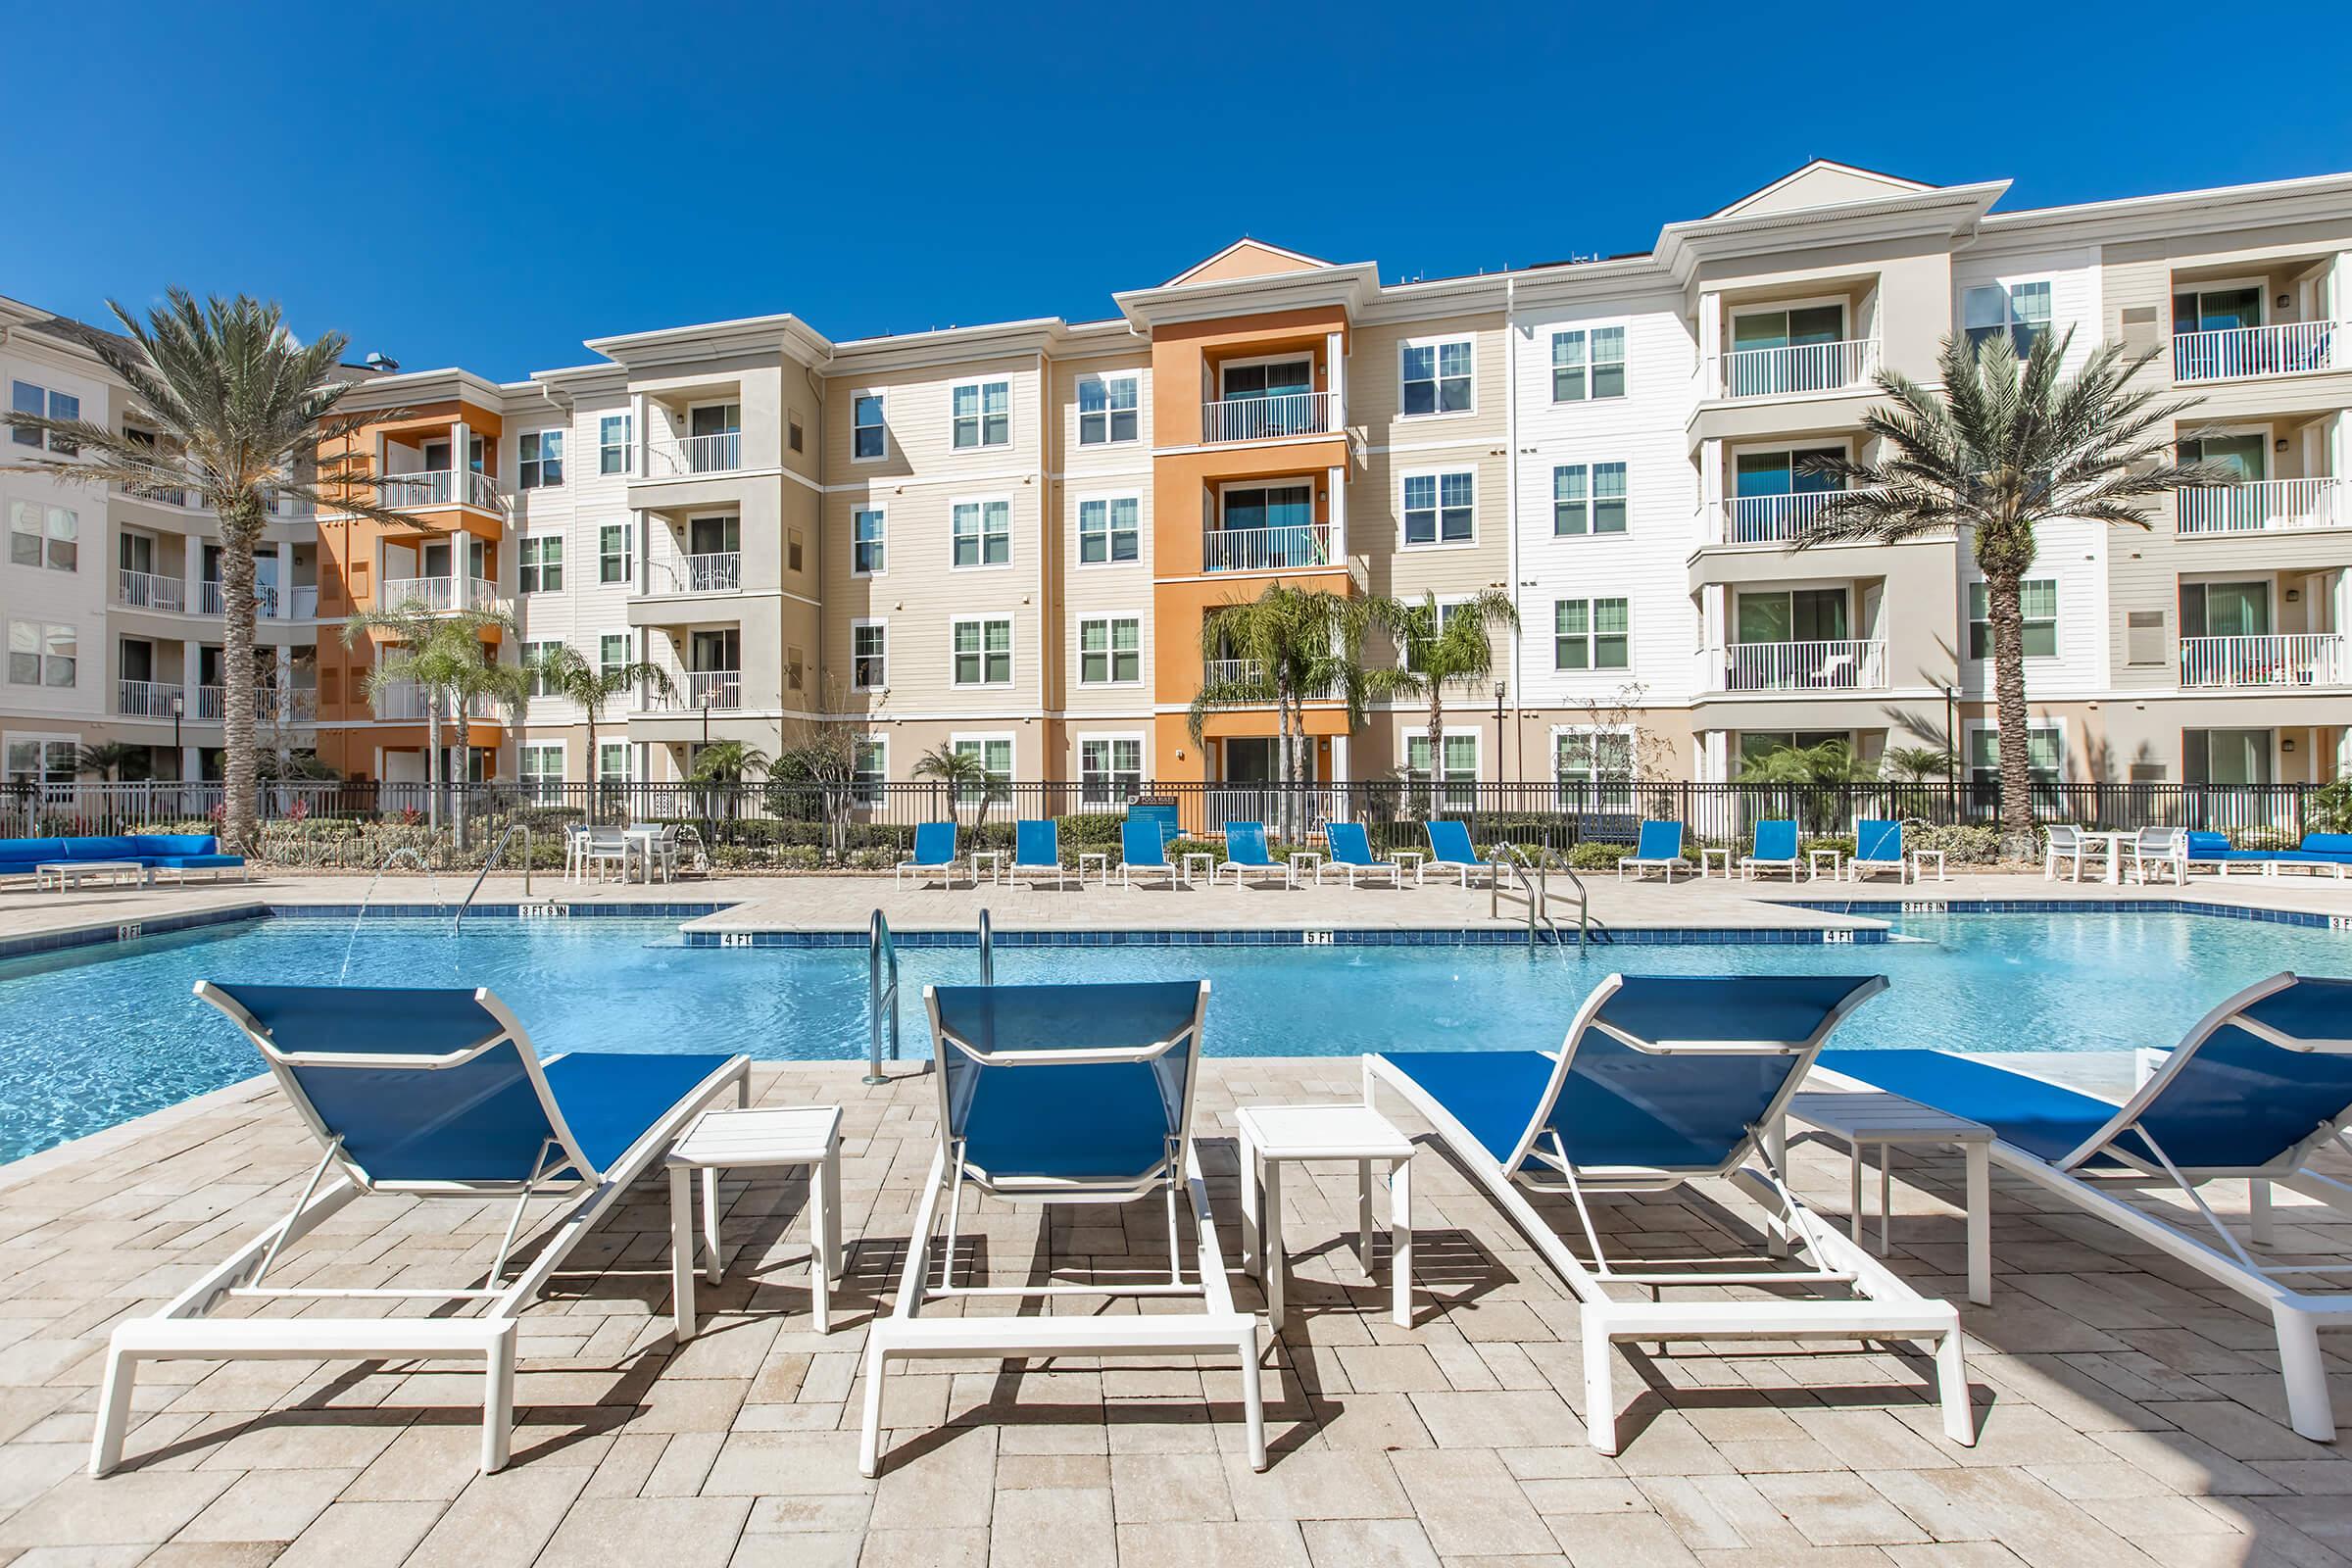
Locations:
(1246, 257)
(1820, 183)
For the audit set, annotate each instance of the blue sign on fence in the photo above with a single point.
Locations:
(1156, 808)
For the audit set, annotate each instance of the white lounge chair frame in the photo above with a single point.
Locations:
(183, 1330)
(1217, 1328)
(1887, 1308)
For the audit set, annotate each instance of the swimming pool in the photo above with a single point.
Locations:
(96, 1036)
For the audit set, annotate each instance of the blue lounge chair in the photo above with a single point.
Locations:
(2331, 852)
(424, 1093)
(1352, 852)
(1659, 1083)
(1878, 847)
(1144, 848)
(1774, 848)
(2213, 849)
(1451, 850)
(2253, 1091)
(1037, 851)
(1245, 854)
(934, 850)
(1067, 1095)
(1660, 848)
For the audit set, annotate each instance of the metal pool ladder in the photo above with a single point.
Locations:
(1535, 890)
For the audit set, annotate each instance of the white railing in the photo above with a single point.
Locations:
(2266, 505)
(1773, 519)
(481, 594)
(304, 602)
(1231, 672)
(1244, 803)
(212, 703)
(699, 454)
(2301, 659)
(720, 571)
(408, 701)
(297, 705)
(714, 688)
(422, 592)
(2289, 348)
(1799, 367)
(1823, 666)
(145, 699)
(1268, 417)
(431, 487)
(1304, 544)
(148, 590)
(481, 490)
(211, 600)
(165, 495)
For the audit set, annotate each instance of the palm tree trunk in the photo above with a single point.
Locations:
(2004, 609)
(432, 762)
(595, 783)
(240, 770)
(1286, 763)
(1437, 742)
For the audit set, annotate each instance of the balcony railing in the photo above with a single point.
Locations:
(438, 593)
(437, 487)
(1246, 671)
(2289, 348)
(1303, 544)
(717, 572)
(304, 604)
(1820, 666)
(145, 699)
(2303, 660)
(406, 701)
(212, 599)
(2266, 505)
(714, 688)
(149, 590)
(1799, 367)
(1266, 419)
(165, 495)
(1773, 519)
(699, 454)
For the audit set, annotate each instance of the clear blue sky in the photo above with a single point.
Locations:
(489, 183)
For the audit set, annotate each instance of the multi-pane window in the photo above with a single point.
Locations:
(983, 533)
(870, 770)
(983, 653)
(1110, 767)
(869, 527)
(994, 753)
(868, 437)
(42, 762)
(539, 564)
(1107, 409)
(1457, 774)
(1110, 651)
(41, 654)
(614, 555)
(1591, 633)
(2020, 309)
(1588, 498)
(1592, 766)
(1440, 508)
(869, 655)
(2038, 602)
(612, 651)
(25, 398)
(534, 660)
(542, 461)
(541, 766)
(44, 536)
(1109, 530)
(2045, 751)
(612, 443)
(1588, 363)
(613, 762)
(1437, 376)
(983, 414)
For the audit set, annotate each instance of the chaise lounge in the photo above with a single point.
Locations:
(156, 855)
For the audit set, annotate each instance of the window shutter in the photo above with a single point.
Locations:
(2143, 637)
(2142, 328)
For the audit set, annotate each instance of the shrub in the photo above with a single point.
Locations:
(1966, 844)
(2265, 838)
(1596, 856)
(1089, 830)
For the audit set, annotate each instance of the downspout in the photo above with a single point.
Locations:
(1511, 482)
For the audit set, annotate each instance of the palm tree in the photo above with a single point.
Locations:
(565, 672)
(728, 762)
(959, 774)
(440, 652)
(2003, 448)
(1278, 650)
(1452, 644)
(109, 760)
(239, 410)
(1915, 764)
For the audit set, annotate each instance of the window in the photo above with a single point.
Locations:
(2045, 753)
(1437, 376)
(612, 443)
(1750, 371)
(541, 466)
(983, 415)
(42, 761)
(1109, 530)
(1107, 409)
(534, 660)
(613, 762)
(44, 536)
(2020, 309)
(2212, 309)
(41, 654)
(1110, 767)
(2226, 755)
(2038, 598)
(614, 557)
(612, 651)
(983, 533)
(1588, 363)
(1440, 509)
(866, 541)
(996, 761)
(870, 770)
(2245, 453)
(1590, 633)
(1588, 498)
(794, 436)
(869, 654)
(796, 546)
(1458, 787)
(983, 653)
(1593, 767)
(25, 398)
(541, 766)
(796, 670)
(1110, 651)
(867, 438)
(2226, 609)
(539, 564)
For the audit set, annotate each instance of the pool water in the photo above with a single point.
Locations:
(99, 1035)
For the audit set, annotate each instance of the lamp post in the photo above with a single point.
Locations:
(1951, 750)
(1501, 688)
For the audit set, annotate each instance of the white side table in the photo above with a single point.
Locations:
(1723, 854)
(1813, 860)
(749, 1140)
(1410, 862)
(995, 866)
(1307, 863)
(1888, 1122)
(1207, 864)
(73, 873)
(1097, 860)
(1272, 1134)
(1919, 871)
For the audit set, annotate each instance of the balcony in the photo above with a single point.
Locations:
(2265, 506)
(1248, 671)
(1303, 545)
(435, 594)
(717, 572)
(697, 454)
(145, 699)
(408, 702)
(1772, 520)
(2300, 661)
(438, 487)
(2289, 348)
(304, 602)
(714, 688)
(1851, 665)
(1798, 368)
(1269, 418)
(148, 590)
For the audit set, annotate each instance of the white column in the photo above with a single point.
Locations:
(1339, 758)
(642, 434)
(285, 582)
(1336, 479)
(1335, 362)
(1710, 490)
(191, 573)
(459, 443)
(1710, 345)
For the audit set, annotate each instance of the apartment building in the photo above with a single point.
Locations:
(1007, 538)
